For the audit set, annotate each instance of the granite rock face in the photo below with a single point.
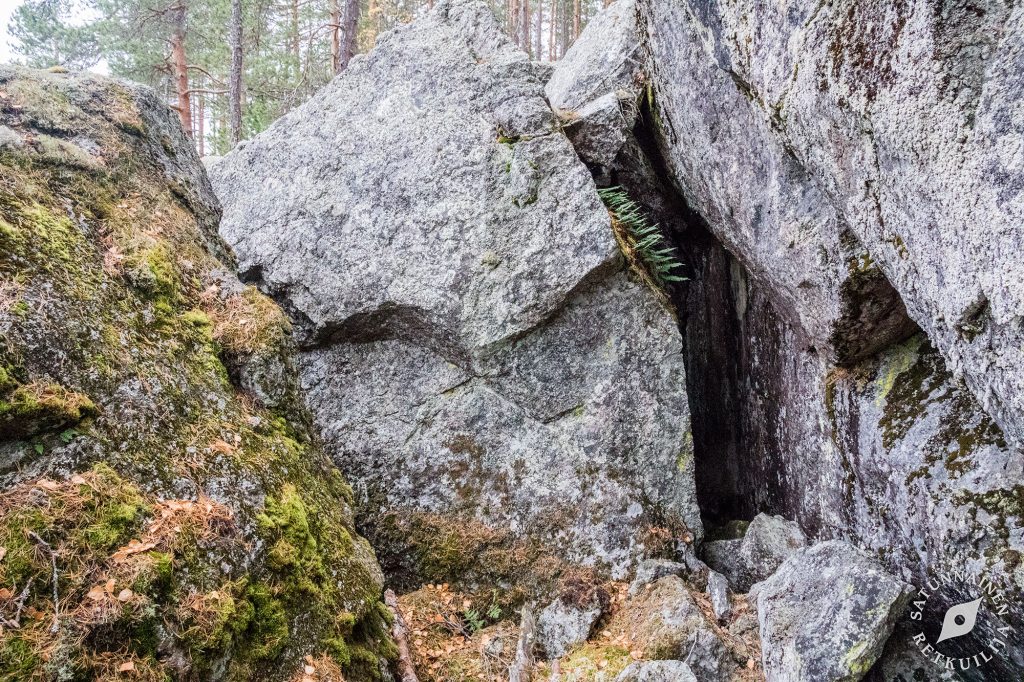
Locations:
(562, 625)
(853, 316)
(151, 433)
(472, 347)
(826, 614)
(657, 671)
(904, 154)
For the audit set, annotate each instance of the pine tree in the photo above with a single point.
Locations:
(46, 39)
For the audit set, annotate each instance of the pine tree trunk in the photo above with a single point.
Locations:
(575, 19)
(179, 65)
(235, 78)
(564, 28)
(201, 116)
(350, 26)
(538, 30)
(295, 39)
(524, 27)
(551, 30)
(335, 37)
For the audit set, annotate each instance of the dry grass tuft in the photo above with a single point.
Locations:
(444, 646)
(319, 669)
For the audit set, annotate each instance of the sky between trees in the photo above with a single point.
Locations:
(231, 67)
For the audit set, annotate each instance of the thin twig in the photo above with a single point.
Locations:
(56, 594)
(22, 598)
(522, 667)
(399, 630)
(20, 603)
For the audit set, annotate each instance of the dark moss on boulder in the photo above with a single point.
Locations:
(157, 469)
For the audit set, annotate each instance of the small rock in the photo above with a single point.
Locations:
(709, 658)
(723, 556)
(664, 619)
(826, 614)
(769, 540)
(657, 671)
(600, 129)
(9, 138)
(652, 570)
(563, 625)
(718, 590)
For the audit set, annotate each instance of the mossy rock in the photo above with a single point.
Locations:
(130, 405)
(39, 407)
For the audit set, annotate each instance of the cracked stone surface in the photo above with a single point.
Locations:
(472, 344)
(826, 614)
(887, 124)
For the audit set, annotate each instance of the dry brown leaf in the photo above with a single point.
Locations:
(126, 667)
(133, 547)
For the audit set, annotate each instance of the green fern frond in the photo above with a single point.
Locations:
(642, 241)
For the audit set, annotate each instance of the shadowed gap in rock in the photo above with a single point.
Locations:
(744, 356)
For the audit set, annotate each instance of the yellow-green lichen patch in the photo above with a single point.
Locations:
(307, 544)
(595, 662)
(35, 239)
(901, 358)
(912, 382)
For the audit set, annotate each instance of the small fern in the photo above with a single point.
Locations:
(474, 621)
(641, 241)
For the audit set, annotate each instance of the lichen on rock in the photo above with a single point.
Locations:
(474, 350)
(159, 472)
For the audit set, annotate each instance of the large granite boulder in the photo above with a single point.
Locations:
(827, 614)
(475, 354)
(164, 511)
(902, 152)
(853, 320)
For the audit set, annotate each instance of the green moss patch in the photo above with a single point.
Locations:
(39, 407)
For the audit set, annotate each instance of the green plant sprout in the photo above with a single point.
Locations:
(641, 241)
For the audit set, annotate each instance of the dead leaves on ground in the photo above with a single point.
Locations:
(321, 669)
